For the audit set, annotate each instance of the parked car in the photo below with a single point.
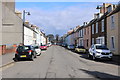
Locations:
(99, 51)
(64, 45)
(80, 49)
(37, 50)
(43, 47)
(49, 44)
(27, 52)
(71, 47)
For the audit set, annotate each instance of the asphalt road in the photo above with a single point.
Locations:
(57, 62)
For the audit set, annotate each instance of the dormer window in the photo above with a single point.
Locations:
(109, 9)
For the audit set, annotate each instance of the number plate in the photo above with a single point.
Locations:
(23, 56)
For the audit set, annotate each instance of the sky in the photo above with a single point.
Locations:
(58, 17)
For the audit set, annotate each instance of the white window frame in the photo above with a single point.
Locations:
(103, 25)
(111, 42)
(112, 22)
(93, 41)
(97, 27)
(92, 28)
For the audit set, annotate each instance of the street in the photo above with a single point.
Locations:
(58, 62)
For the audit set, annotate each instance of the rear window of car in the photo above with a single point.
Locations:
(43, 45)
(27, 48)
(36, 47)
(81, 47)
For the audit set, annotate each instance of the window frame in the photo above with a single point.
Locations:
(111, 43)
(93, 29)
(97, 27)
(103, 25)
(112, 22)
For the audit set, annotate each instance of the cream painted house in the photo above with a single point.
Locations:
(113, 30)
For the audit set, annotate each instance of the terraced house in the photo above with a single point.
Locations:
(87, 35)
(113, 29)
(99, 27)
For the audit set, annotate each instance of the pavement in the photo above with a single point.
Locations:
(7, 59)
(57, 62)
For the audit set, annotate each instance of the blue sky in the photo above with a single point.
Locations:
(58, 17)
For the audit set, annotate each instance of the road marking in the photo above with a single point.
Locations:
(6, 66)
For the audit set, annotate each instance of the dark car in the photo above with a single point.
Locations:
(26, 52)
(64, 45)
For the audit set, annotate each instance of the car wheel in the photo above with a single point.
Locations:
(110, 59)
(89, 56)
(93, 57)
(32, 57)
(35, 55)
(16, 59)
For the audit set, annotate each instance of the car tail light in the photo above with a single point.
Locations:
(16, 52)
(30, 51)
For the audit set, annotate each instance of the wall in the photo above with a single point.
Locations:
(28, 36)
(113, 32)
(119, 32)
(87, 37)
(0, 27)
(12, 27)
(10, 5)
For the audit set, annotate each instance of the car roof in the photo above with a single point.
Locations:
(98, 44)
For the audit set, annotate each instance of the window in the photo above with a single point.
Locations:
(87, 42)
(84, 31)
(88, 30)
(100, 40)
(112, 42)
(93, 29)
(97, 27)
(109, 9)
(103, 25)
(92, 41)
(112, 22)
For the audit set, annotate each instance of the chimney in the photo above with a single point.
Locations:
(97, 15)
(103, 8)
(111, 7)
(27, 22)
(19, 14)
(85, 23)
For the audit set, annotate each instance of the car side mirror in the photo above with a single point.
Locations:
(93, 49)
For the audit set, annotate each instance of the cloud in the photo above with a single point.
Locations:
(58, 21)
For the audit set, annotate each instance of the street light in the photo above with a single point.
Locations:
(28, 13)
(24, 12)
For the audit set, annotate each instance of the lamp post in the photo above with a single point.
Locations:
(24, 13)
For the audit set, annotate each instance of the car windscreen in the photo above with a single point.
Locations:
(27, 48)
(81, 47)
(36, 47)
(71, 45)
(43, 45)
(20, 48)
(102, 47)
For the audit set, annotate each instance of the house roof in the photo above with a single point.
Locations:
(117, 9)
(103, 16)
(26, 25)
